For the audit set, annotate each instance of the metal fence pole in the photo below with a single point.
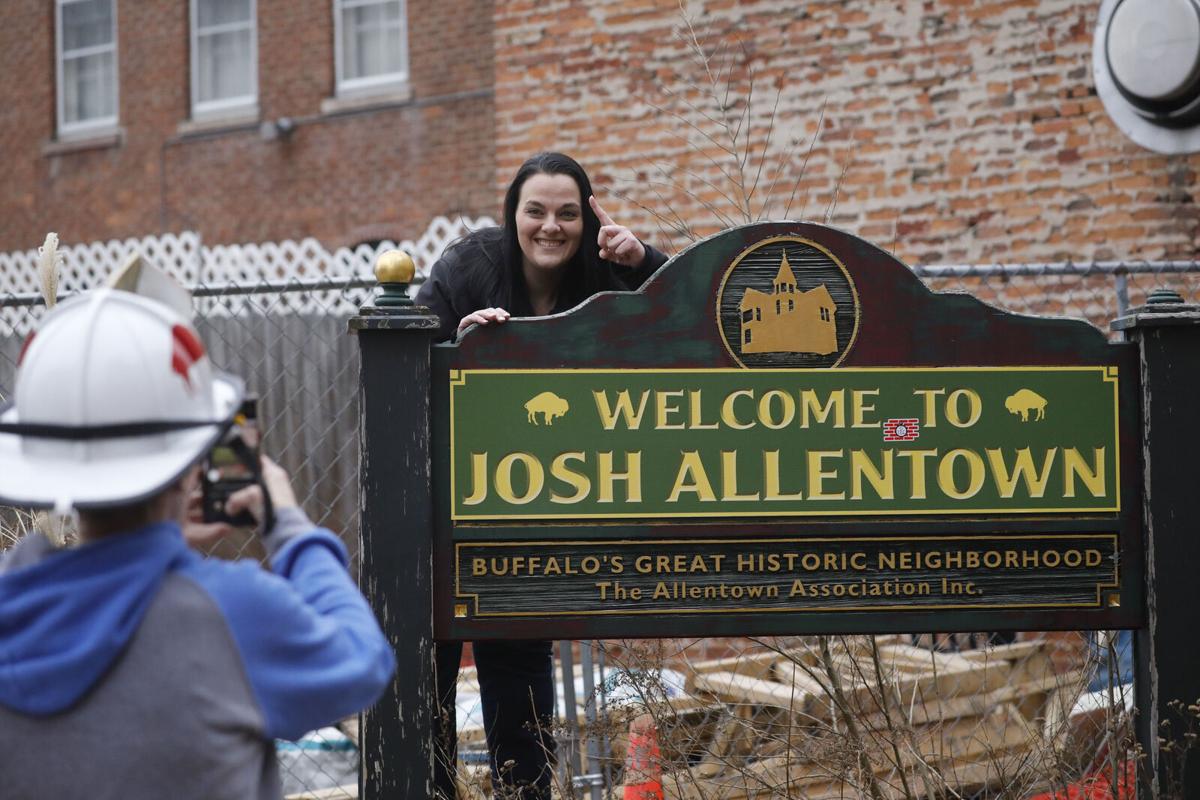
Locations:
(1122, 285)
(570, 711)
(592, 779)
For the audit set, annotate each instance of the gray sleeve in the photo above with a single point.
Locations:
(289, 523)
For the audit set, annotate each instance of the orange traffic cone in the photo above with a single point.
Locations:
(643, 762)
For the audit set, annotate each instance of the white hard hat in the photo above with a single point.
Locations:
(115, 398)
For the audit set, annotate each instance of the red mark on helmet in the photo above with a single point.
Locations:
(186, 350)
(25, 348)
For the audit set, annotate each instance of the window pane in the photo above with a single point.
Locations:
(224, 66)
(221, 12)
(87, 23)
(372, 43)
(89, 88)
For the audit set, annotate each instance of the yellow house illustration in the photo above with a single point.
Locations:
(786, 320)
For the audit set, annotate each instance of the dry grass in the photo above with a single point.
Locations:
(14, 524)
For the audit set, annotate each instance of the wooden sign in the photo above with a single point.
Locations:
(784, 431)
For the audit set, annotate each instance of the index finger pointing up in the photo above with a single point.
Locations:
(603, 216)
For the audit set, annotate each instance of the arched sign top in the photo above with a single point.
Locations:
(688, 314)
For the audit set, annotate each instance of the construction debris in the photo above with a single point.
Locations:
(867, 718)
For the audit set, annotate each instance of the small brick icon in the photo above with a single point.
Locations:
(901, 430)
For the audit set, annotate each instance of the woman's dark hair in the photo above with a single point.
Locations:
(583, 275)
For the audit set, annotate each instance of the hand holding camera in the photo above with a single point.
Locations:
(247, 500)
(232, 465)
(232, 478)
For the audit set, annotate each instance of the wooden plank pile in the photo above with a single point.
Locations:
(888, 721)
(777, 724)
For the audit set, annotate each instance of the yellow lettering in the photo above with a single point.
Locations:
(859, 409)
(975, 474)
(727, 415)
(608, 416)
(1092, 476)
(917, 460)
(479, 480)
(729, 481)
(632, 477)
(881, 480)
(662, 408)
(694, 408)
(787, 409)
(1023, 469)
(974, 408)
(771, 478)
(836, 404)
(817, 475)
(535, 475)
(692, 478)
(930, 395)
(576, 480)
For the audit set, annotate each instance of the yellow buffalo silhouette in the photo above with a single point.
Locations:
(549, 405)
(1023, 401)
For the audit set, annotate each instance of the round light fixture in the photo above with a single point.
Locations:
(1146, 61)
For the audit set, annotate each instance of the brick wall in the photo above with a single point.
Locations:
(954, 131)
(375, 173)
(959, 131)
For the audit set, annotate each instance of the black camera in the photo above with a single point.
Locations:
(231, 465)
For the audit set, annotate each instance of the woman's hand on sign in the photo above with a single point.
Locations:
(482, 317)
(616, 242)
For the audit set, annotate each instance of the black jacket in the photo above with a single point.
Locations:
(471, 275)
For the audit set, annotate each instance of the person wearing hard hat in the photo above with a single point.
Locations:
(130, 665)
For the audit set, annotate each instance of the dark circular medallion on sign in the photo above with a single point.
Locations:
(787, 302)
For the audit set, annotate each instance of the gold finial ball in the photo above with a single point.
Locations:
(394, 266)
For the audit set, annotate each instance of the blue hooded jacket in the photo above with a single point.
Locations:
(221, 648)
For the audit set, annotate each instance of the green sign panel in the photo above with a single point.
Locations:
(630, 444)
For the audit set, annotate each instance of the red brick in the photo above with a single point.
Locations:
(387, 171)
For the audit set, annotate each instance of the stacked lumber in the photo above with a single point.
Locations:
(868, 718)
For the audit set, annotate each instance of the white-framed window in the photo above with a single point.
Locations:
(370, 45)
(224, 45)
(85, 44)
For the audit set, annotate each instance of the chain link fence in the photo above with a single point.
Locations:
(924, 716)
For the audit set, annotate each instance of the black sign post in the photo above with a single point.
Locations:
(1166, 649)
(396, 553)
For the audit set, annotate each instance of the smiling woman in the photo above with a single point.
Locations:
(556, 248)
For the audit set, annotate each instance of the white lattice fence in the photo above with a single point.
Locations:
(85, 265)
(244, 266)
